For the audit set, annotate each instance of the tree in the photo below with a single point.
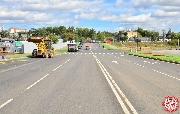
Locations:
(49, 29)
(79, 31)
(169, 34)
(85, 32)
(100, 36)
(139, 35)
(55, 39)
(68, 35)
(42, 32)
(62, 30)
(92, 33)
(70, 29)
(4, 34)
(56, 30)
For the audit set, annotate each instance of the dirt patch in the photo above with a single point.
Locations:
(6, 54)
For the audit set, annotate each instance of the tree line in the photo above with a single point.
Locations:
(80, 34)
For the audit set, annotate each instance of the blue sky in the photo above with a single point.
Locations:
(102, 15)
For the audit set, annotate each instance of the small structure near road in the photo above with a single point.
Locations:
(7, 45)
(108, 41)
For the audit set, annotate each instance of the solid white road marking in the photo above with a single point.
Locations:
(7, 102)
(114, 90)
(109, 79)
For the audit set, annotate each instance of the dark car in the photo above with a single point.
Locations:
(79, 46)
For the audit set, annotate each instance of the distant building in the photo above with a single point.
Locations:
(143, 39)
(33, 29)
(16, 30)
(131, 34)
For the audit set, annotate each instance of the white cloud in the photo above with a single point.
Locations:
(162, 13)
(143, 18)
(170, 8)
(87, 16)
(149, 3)
(152, 14)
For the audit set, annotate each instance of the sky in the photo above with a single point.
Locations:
(102, 15)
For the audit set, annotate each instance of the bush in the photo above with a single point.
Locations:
(55, 39)
(174, 42)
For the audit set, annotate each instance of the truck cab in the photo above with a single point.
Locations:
(72, 47)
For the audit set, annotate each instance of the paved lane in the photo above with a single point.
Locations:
(94, 81)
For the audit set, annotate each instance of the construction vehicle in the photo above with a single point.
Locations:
(44, 45)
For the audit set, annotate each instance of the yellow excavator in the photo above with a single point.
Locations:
(44, 45)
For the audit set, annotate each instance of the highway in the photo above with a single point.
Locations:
(95, 81)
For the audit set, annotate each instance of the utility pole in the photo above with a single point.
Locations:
(164, 34)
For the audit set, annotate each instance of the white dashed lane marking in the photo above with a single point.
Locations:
(153, 63)
(7, 102)
(35, 83)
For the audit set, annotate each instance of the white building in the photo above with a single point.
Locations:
(16, 30)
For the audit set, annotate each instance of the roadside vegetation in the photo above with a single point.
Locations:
(161, 57)
(144, 45)
(16, 56)
(108, 46)
(129, 48)
(61, 51)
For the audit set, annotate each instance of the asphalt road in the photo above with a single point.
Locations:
(95, 81)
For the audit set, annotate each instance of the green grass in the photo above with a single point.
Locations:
(18, 56)
(108, 47)
(61, 51)
(168, 58)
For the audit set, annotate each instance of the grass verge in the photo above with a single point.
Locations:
(166, 58)
(108, 46)
(18, 56)
(62, 51)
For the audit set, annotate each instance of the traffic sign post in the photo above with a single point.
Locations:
(3, 58)
(137, 40)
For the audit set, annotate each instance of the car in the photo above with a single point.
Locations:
(72, 47)
(79, 46)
